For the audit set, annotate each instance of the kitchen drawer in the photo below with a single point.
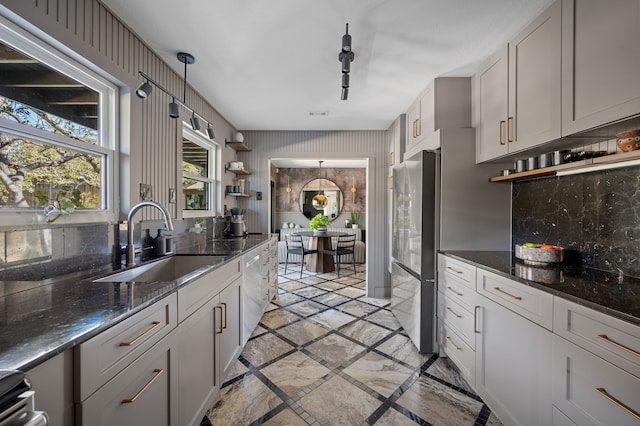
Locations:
(591, 391)
(458, 318)
(457, 290)
(529, 302)
(195, 294)
(458, 352)
(610, 338)
(150, 381)
(463, 272)
(102, 357)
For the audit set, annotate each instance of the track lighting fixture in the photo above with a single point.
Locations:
(144, 90)
(210, 132)
(195, 123)
(346, 56)
(173, 109)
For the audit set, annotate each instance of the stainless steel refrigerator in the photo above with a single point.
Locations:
(416, 207)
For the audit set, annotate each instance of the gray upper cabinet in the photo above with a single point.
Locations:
(601, 62)
(517, 91)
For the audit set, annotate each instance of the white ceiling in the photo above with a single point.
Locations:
(265, 65)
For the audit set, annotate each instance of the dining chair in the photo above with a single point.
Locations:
(344, 246)
(296, 245)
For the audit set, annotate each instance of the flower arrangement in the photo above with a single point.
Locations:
(318, 221)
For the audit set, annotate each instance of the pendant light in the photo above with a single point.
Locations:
(320, 200)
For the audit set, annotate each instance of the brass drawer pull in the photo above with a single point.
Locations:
(604, 393)
(617, 345)
(454, 345)
(451, 310)
(459, 294)
(221, 328)
(158, 372)
(475, 319)
(455, 270)
(133, 342)
(507, 293)
(225, 315)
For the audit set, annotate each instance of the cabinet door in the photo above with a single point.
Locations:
(491, 95)
(141, 394)
(198, 381)
(230, 339)
(591, 391)
(534, 82)
(601, 59)
(513, 366)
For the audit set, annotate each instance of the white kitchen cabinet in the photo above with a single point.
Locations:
(53, 383)
(601, 59)
(445, 103)
(517, 91)
(592, 391)
(143, 393)
(513, 366)
(209, 338)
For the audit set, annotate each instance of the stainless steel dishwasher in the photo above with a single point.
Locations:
(253, 297)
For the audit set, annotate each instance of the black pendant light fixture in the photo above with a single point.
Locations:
(320, 200)
(346, 56)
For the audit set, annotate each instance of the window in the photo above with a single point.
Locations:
(57, 121)
(199, 184)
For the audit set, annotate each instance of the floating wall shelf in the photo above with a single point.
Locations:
(585, 164)
(237, 171)
(237, 146)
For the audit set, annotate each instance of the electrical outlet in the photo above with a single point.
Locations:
(259, 195)
(172, 195)
(146, 192)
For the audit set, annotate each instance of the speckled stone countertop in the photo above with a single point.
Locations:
(598, 290)
(44, 318)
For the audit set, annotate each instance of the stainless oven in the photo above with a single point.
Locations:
(17, 406)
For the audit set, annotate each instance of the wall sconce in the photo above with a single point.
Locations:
(353, 189)
(289, 188)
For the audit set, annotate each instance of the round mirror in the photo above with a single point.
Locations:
(309, 200)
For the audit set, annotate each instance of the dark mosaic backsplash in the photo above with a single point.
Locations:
(596, 216)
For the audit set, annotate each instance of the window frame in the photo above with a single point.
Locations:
(213, 172)
(108, 109)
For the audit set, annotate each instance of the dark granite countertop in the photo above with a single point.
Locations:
(598, 290)
(44, 318)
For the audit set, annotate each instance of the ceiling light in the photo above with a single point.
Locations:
(195, 123)
(210, 131)
(320, 200)
(173, 109)
(346, 56)
(144, 90)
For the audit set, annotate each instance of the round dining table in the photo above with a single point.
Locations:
(320, 262)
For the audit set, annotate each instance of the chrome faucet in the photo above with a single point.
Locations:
(131, 261)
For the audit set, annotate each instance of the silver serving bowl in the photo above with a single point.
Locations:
(539, 256)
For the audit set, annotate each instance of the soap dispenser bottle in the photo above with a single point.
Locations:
(147, 246)
(159, 246)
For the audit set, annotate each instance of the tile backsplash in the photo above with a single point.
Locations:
(596, 216)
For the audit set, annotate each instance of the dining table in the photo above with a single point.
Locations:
(321, 261)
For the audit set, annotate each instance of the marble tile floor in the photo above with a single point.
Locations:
(325, 354)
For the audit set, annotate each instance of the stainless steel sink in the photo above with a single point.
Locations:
(170, 269)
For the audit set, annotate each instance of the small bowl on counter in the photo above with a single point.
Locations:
(540, 274)
(539, 254)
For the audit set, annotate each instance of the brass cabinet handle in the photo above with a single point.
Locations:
(225, 315)
(418, 132)
(158, 372)
(451, 310)
(618, 345)
(451, 288)
(415, 128)
(475, 319)
(508, 294)
(133, 342)
(455, 270)
(604, 393)
(509, 139)
(500, 131)
(454, 345)
(221, 328)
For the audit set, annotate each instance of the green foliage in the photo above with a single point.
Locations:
(319, 220)
(355, 217)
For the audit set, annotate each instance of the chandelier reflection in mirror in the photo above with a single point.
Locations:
(320, 200)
